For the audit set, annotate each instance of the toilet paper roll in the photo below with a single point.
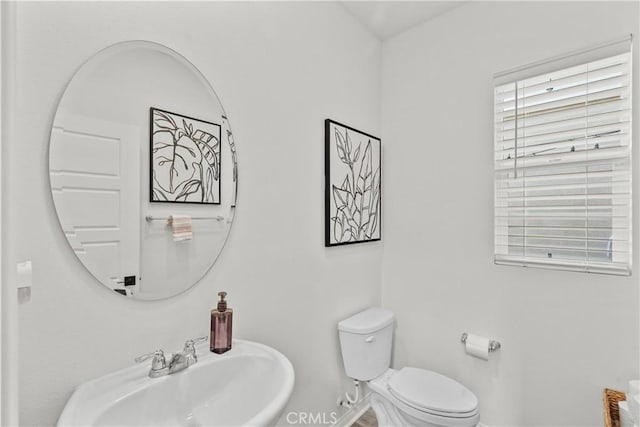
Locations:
(477, 346)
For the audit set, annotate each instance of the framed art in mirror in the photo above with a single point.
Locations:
(185, 159)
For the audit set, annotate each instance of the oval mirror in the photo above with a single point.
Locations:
(143, 170)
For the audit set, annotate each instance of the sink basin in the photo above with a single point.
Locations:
(246, 386)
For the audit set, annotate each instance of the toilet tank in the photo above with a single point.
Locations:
(365, 340)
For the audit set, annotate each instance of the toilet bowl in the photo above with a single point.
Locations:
(418, 397)
(404, 397)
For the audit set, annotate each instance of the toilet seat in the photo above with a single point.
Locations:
(432, 393)
(395, 407)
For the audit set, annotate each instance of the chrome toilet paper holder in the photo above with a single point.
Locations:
(493, 344)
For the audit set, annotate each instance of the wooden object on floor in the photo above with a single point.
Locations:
(368, 419)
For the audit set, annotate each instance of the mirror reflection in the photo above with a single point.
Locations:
(143, 170)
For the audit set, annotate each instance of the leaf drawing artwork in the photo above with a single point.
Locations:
(352, 185)
(185, 159)
(234, 157)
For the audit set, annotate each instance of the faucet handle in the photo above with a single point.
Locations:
(189, 345)
(158, 363)
(190, 349)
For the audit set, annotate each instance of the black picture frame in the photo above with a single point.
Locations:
(196, 164)
(353, 185)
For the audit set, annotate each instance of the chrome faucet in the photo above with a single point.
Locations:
(189, 350)
(158, 365)
(178, 362)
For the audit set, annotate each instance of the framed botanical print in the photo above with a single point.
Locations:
(352, 185)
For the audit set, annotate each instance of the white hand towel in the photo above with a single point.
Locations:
(633, 402)
(625, 416)
(181, 225)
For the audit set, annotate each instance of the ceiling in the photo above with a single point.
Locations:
(385, 19)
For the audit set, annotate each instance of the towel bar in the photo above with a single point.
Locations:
(150, 218)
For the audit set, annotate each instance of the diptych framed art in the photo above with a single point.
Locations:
(185, 159)
(352, 185)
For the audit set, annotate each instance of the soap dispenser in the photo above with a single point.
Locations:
(221, 320)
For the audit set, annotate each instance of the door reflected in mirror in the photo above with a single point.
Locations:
(143, 170)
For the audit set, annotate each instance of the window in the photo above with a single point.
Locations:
(563, 162)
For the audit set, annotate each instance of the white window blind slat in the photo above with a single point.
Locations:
(558, 122)
(597, 79)
(598, 89)
(562, 156)
(570, 233)
(599, 70)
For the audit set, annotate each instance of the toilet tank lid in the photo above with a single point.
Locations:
(370, 320)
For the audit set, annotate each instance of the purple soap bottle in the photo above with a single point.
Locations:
(221, 321)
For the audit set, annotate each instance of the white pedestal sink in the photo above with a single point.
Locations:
(246, 386)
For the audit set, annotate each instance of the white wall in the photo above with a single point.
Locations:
(565, 335)
(280, 69)
(8, 308)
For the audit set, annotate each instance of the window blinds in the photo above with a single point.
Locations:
(563, 163)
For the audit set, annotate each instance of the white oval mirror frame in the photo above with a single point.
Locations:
(104, 174)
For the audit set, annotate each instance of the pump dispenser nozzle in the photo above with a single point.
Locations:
(222, 304)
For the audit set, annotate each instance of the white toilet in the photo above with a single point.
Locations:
(405, 397)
